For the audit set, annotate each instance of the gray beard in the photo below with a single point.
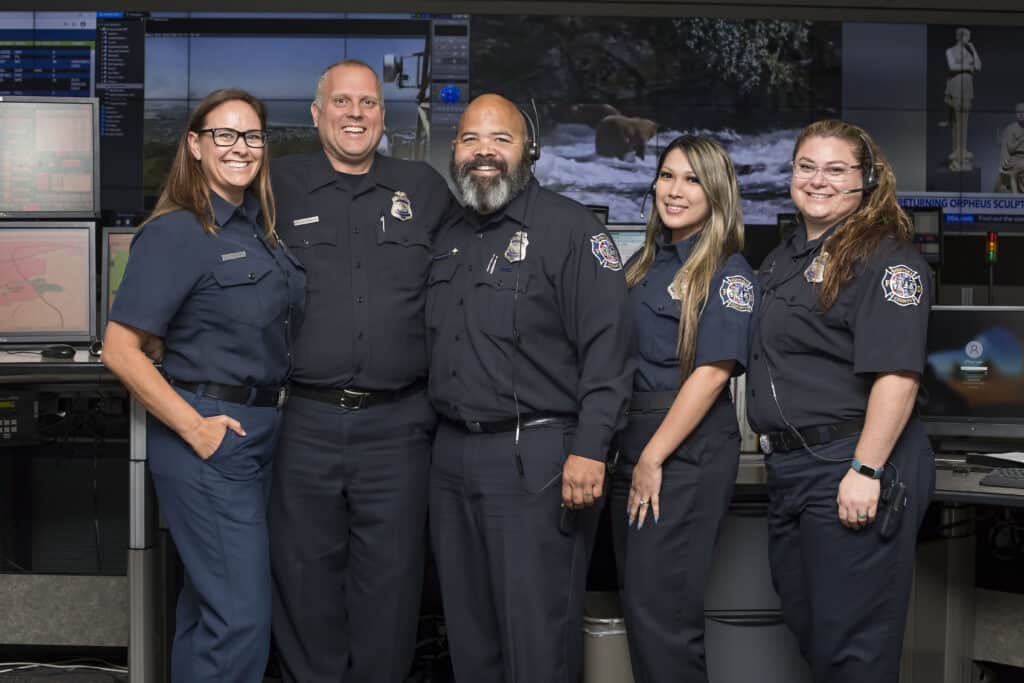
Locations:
(486, 195)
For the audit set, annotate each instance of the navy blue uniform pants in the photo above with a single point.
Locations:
(216, 513)
(348, 534)
(512, 584)
(845, 592)
(664, 567)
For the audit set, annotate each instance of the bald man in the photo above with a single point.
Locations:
(349, 496)
(530, 369)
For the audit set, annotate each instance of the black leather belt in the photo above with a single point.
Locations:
(353, 398)
(261, 397)
(782, 441)
(525, 422)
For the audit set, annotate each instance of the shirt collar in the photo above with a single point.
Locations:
(224, 211)
(799, 244)
(514, 210)
(382, 172)
(682, 248)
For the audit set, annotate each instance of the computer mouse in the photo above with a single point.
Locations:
(58, 351)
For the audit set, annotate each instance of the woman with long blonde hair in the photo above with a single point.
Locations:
(838, 347)
(692, 295)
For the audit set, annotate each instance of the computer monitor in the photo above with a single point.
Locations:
(49, 167)
(47, 282)
(628, 238)
(928, 233)
(974, 377)
(116, 243)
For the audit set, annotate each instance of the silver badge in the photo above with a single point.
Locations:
(815, 273)
(673, 293)
(516, 250)
(401, 208)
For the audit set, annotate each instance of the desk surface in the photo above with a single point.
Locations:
(956, 481)
(22, 367)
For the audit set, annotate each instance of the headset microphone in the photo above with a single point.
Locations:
(856, 190)
(643, 204)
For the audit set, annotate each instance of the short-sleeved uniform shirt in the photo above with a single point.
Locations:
(225, 304)
(823, 363)
(365, 244)
(531, 299)
(723, 329)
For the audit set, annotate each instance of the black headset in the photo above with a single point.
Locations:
(871, 174)
(533, 124)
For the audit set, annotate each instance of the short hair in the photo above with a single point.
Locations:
(318, 96)
(962, 31)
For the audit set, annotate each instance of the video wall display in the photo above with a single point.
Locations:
(942, 100)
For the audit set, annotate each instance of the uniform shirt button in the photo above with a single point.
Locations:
(469, 268)
(454, 374)
(252, 275)
(753, 392)
(460, 302)
(360, 335)
(355, 230)
(359, 299)
(359, 264)
(661, 307)
(756, 357)
(305, 243)
(457, 337)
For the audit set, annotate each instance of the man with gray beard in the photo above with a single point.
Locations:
(530, 368)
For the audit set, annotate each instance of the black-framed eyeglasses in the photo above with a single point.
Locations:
(225, 137)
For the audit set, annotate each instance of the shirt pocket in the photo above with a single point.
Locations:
(244, 292)
(657, 330)
(496, 298)
(439, 288)
(314, 248)
(806, 328)
(404, 251)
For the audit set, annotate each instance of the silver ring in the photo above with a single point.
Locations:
(643, 502)
(860, 516)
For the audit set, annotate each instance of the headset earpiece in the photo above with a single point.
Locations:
(533, 147)
(871, 173)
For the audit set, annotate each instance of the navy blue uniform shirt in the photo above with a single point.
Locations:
(224, 304)
(561, 288)
(824, 363)
(723, 329)
(365, 243)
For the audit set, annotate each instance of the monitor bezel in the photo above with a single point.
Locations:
(984, 429)
(38, 337)
(94, 102)
(104, 310)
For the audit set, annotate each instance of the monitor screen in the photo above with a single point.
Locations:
(974, 376)
(47, 282)
(628, 238)
(116, 244)
(49, 163)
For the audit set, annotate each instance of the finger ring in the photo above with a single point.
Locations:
(860, 516)
(643, 502)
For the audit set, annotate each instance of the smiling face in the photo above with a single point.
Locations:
(350, 117)
(228, 170)
(682, 204)
(822, 201)
(487, 154)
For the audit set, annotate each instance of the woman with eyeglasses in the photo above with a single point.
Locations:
(208, 280)
(836, 357)
(692, 296)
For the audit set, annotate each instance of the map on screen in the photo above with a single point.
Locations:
(45, 290)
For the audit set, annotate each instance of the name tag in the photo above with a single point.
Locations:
(232, 256)
(305, 221)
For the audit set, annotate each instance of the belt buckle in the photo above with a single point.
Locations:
(352, 400)
(474, 427)
(765, 442)
(282, 396)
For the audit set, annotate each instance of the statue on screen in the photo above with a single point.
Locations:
(1011, 155)
(963, 62)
